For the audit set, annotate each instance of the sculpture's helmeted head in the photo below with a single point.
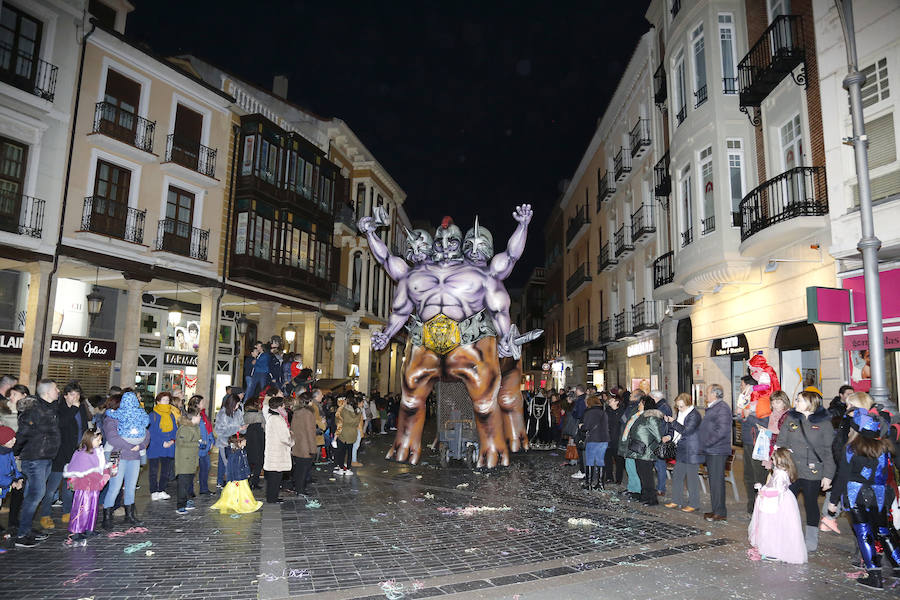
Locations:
(447, 241)
(478, 245)
(418, 246)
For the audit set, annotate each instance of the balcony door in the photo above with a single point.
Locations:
(179, 221)
(791, 136)
(109, 208)
(20, 44)
(12, 175)
(187, 136)
(118, 116)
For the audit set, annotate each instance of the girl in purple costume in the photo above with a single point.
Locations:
(87, 473)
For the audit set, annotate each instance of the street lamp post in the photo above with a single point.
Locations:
(868, 243)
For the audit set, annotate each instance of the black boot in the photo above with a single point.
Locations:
(599, 485)
(130, 517)
(588, 478)
(873, 579)
(107, 523)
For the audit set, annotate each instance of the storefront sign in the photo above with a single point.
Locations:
(596, 355)
(180, 360)
(643, 347)
(730, 346)
(62, 346)
(856, 340)
(545, 366)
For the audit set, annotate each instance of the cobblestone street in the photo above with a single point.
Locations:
(396, 531)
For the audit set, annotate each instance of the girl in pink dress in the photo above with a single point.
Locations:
(87, 473)
(776, 530)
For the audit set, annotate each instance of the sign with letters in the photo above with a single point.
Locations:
(62, 346)
(735, 345)
(180, 360)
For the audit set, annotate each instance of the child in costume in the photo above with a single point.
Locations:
(236, 495)
(766, 383)
(863, 486)
(131, 418)
(87, 473)
(776, 530)
(187, 457)
(10, 476)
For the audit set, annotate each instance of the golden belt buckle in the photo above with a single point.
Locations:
(441, 334)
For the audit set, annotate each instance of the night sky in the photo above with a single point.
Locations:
(471, 106)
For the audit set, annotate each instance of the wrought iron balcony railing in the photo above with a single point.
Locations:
(799, 192)
(193, 155)
(579, 338)
(606, 187)
(640, 138)
(342, 296)
(661, 177)
(642, 224)
(576, 222)
(579, 277)
(115, 219)
(27, 72)
(23, 215)
(644, 315)
(622, 164)
(729, 85)
(664, 269)
(124, 126)
(345, 215)
(687, 236)
(624, 245)
(700, 96)
(708, 225)
(681, 115)
(775, 55)
(659, 86)
(179, 237)
(605, 261)
(605, 331)
(624, 325)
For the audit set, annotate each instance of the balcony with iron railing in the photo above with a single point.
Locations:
(342, 296)
(605, 331)
(20, 214)
(623, 325)
(112, 121)
(345, 216)
(645, 315)
(642, 224)
(578, 224)
(664, 269)
(624, 245)
(700, 96)
(606, 261)
(191, 155)
(661, 178)
(640, 138)
(798, 192)
(114, 219)
(681, 115)
(687, 236)
(659, 86)
(622, 164)
(708, 224)
(606, 188)
(577, 339)
(181, 238)
(729, 86)
(28, 73)
(774, 56)
(577, 280)
(551, 302)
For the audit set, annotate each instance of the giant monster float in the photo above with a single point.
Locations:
(451, 298)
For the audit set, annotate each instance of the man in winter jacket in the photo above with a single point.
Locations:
(715, 439)
(259, 375)
(37, 442)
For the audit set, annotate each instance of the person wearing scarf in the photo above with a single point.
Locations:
(161, 451)
(688, 455)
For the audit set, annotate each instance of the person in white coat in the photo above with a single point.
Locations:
(278, 449)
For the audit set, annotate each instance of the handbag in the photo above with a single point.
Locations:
(665, 450)
(637, 446)
(762, 444)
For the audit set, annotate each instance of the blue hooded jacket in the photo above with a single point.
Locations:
(9, 472)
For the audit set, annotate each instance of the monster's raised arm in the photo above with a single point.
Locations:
(496, 300)
(395, 266)
(502, 264)
(402, 307)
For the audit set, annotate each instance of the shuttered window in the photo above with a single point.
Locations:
(882, 142)
(876, 87)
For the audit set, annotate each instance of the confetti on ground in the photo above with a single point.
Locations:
(332, 479)
(385, 471)
(116, 534)
(429, 495)
(285, 574)
(547, 509)
(583, 521)
(135, 547)
(418, 477)
(471, 550)
(313, 504)
(373, 520)
(855, 574)
(462, 485)
(515, 530)
(149, 553)
(472, 510)
(79, 577)
(236, 516)
(356, 554)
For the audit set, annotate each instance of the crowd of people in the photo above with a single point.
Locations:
(845, 451)
(59, 448)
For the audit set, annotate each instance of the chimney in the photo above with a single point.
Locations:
(280, 86)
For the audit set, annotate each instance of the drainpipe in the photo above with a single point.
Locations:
(868, 244)
(235, 136)
(65, 198)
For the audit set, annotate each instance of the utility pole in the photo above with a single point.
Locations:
(868, 243)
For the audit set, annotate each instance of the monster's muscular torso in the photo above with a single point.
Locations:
(458, 290)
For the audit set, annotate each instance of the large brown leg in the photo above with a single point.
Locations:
(477, 365)
(512, 405)
(420, 369)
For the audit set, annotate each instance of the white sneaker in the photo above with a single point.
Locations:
(154, 496)
(577, 475)
(347, 472)
(165, 496)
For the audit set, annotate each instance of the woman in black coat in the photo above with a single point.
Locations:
(74, 419)
(688, 454)
(614, 465)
